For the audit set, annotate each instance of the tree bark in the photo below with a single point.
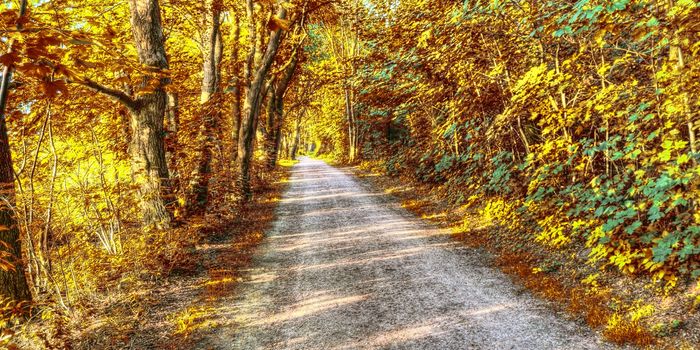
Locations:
(297, 138)
(351, 125)
(277, 119)
(251, 109)
(211, 50)
(172, 144)
(236, 108)
(147, 148)
(13, 280)
(211, 54)
(270, 123)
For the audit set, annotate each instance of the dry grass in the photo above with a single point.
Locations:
(157, 294)
(225, 253)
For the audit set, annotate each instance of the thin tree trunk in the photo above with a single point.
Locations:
(351, 125)
(172, 144)
(236, 108)
(296, 139)
(270, 126)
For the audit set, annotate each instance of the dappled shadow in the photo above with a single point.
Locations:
(345, 268)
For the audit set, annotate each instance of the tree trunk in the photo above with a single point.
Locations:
(211, 50)
(356, 131)
(211, 54)
(351, 125)
(13, 280)
(270, 126)
(236, 107)
(275, 128)
(297, 138)
(251, 111)
(172, 144)
(147, 148)
(148, 163)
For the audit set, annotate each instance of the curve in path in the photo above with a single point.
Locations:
(343, 268)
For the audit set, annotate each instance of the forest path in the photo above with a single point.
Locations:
(345, 268)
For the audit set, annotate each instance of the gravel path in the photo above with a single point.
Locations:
(344, 268)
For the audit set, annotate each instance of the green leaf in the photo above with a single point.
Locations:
(662, 251)
(633, 227)
(611, 225)
(654, 213)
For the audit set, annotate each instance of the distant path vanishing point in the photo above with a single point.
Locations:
(345, 268)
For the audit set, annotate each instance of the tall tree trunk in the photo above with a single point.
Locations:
(147, 148)
(351, 125)
(236, 107)
(13, 280)
(148, 163)
(296, 139)
(275, 127)
(251, 110)
(211, 52)
(270, 126)
(172, 144)
(149, 166)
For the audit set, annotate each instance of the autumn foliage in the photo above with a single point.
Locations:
(571, 124)
(134, 131)
(574, 122)
(133, 126)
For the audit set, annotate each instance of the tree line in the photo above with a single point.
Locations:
(573, 123)
(124, 122)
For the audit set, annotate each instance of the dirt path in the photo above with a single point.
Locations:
(344, 268)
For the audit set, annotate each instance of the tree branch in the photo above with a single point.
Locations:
(115, 94)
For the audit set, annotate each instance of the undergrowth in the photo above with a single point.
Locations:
(109, 308)
(558, 274)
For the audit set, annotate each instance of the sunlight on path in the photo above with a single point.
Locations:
(343, 268)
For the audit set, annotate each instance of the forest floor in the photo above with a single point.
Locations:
(345, 267)
(168, 310)
(185, 305)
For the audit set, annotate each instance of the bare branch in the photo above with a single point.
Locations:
(115, 94)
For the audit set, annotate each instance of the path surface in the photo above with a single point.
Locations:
(344, 268)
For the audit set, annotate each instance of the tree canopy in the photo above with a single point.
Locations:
(126, 127)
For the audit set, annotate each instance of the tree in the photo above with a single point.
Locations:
(13, 280)
(275, 113)
(256, 74)
(344, 43)
(212, 51)
(147, 109)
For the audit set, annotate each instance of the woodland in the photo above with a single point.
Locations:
(131, 129)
